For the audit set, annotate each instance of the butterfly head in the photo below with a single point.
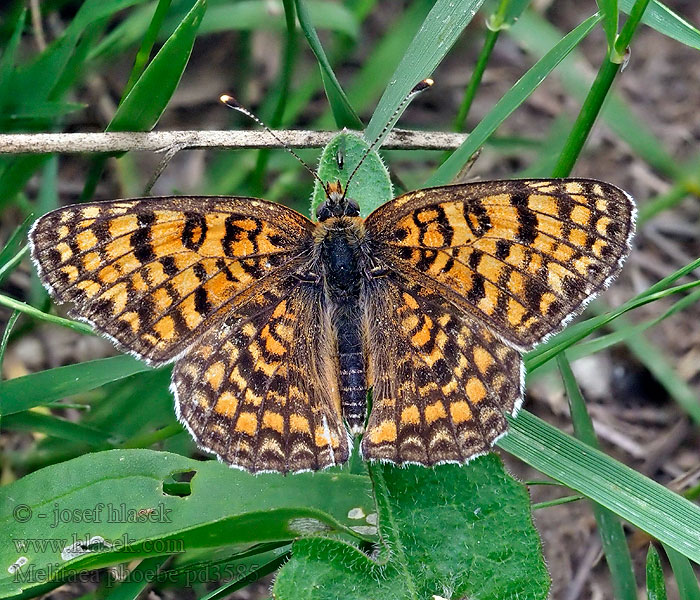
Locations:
(336, 204)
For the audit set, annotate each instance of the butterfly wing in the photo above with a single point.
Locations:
(261, 389)
(523, 256)
(154, 274)
(441, 380)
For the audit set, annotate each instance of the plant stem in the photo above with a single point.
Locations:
(593, 103)
(475, 80)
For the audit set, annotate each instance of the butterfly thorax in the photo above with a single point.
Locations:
(342, 260)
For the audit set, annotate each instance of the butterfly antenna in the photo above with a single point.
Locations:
(231, 102)
(417, 89)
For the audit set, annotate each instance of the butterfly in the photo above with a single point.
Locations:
(279, 326)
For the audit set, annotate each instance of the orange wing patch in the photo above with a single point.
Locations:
(155, 274)
(523, 256)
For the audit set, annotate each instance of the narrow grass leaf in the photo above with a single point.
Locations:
(440, 30)
(56, 427)
(687, 580)
(145, 103)
(149, 39)
(660, 17)
(656, 581)
(23, 393)
(608, 9)
(612, 535)
(537, 35)
(343, 112)
(37, 314)
(646, 504)
(511, 100)
(9, 57)
(138, 579)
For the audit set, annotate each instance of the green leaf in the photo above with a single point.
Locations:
(145, 103)
(343, 112)
(660, 17)
(128, 505)
(537, 35)
(439, 32)
(370, 187)
(149, 39)
(612, 534)
(511, 100)
(688, 585)
(452, 531)
(668, 517)
(23, 393)
(608, 9)
(656, 582)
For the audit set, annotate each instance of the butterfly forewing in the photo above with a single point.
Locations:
(521, 256)
(157, 273)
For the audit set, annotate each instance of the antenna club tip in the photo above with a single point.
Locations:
(229, 101)
(422, 85)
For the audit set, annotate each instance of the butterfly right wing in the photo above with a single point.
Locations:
(261, 389)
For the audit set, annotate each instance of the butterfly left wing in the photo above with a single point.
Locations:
(260, 390)
(154, 274)
(522, 256)
(441, 380)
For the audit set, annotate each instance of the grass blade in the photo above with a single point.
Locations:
(660, 17)
(612, 535)
(646, 504)
(343, 113)
(688, 586)
(440, 30)
(23, 393)
(656, 582)
(511, 100)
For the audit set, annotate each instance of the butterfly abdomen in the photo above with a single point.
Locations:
(342, 258)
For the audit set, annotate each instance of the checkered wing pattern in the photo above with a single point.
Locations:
(522, 257)
(261, 389)
(441, 380)
(156, 274)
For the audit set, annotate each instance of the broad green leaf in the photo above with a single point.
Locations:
(664, 20)
(370, 187)
(127, 505)
(440, 30)
(23, 393)
(656, 582)
(511, 100)
(452, 532)
(668, 517)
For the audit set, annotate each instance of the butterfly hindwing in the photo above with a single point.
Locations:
(260, 390)
(522, 256)
(441, 381)
(156, 273)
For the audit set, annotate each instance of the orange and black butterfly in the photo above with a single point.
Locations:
(279, 326)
